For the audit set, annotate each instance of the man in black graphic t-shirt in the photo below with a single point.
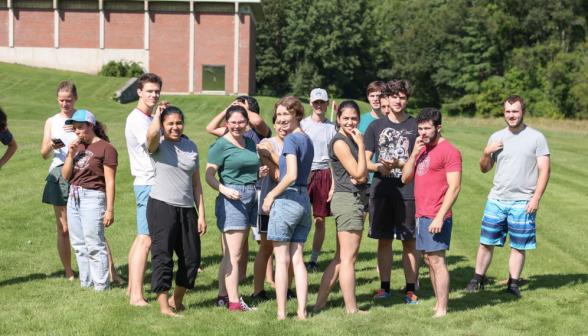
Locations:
(392, 207)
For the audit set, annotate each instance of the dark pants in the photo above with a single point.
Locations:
(173, 229)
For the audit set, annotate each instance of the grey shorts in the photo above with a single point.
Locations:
(56, 189)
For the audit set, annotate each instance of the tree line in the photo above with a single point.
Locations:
(462, 56)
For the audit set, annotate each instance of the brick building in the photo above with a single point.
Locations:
(196, 46)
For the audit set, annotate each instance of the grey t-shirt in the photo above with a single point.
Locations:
(321, 135)
(267, 184)
(516, 173)
(174, 163)
(340, 174)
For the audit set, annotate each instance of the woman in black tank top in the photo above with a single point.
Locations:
(348, 162)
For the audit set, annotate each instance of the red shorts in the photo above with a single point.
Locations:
(318, 191)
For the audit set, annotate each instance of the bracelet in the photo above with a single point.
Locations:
(110, 211)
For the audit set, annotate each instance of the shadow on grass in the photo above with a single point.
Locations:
(34, 277)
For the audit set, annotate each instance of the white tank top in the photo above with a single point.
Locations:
(57, 131)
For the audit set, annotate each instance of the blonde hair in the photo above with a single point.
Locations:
(67, 86)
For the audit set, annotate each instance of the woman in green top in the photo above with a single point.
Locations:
(234, 157)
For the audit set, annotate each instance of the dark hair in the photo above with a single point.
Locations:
(513, 99)
(149, 78)
(395, 86)
(67, 86)
(375, 86)
(169, 110)
(429, 114)
(274, 118)
(251, 102)
(236, 109)
(100, 130)
(3, 122)
(293, 105)
(348, 104)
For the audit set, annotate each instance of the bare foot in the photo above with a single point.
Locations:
(434, 308)
(139, 303)
(440, 313)
(119, 279)
(170, 313)
(199, 270)
(273, 284)
(70, 278)
(302, 315)
(317, 308)
(176, 305)
(359, 311)
(281, 317)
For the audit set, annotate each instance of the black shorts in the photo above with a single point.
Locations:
(262, 224)
(387, 214)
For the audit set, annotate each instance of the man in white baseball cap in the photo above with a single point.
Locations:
(320, 130)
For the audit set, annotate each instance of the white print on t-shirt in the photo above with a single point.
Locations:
(393, 143)
(82, 160)
(423, 164)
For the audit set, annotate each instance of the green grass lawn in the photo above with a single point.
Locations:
(36, 299)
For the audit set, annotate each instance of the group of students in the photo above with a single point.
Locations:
(395, 168)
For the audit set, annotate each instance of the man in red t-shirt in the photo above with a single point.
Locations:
(435, 166)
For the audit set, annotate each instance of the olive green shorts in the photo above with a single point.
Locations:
(57, 188)
(347, 209)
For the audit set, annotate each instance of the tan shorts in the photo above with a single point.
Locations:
(347, 210)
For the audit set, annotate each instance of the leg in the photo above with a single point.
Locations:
(63, 245)
(137, 267)
(92, 205)
(162, 298)
(296, 250)
(432, 276)
(350, 241)
(244, 258)
(112, 270)
(328, 280)
(175, 301)
(409, 260)
(76, 236)
(282, 252)
(261, 264)
(438, 266)
(131, 253)
(269, 270)
(516, 263)
(484, 258)
(188, 251)
(319, 236)
(233, 247)
(385, 258)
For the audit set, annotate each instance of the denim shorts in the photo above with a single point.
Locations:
(290, 217)
(508, 217)
(433, 242)
(142, 196)
(236, 214)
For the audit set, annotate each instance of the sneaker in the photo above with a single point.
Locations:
(514, 291)
(222, 301)
(240, 306)
(381, 294)
(291, 295)
(261, 296)
(474, 286)
(312, 266)
(411, 299)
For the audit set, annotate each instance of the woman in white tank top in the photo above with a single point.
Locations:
(56, 139)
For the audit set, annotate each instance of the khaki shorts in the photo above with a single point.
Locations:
(347, 209)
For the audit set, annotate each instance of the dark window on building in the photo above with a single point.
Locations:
(124, 5)
(213, 78)
(78, 4)
(212, 7)
(161, 6)
(33, 4)
(3, 3)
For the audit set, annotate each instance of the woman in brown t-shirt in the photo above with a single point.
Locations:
(90, 167)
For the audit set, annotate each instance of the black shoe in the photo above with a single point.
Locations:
(514, 291)
(312, 266)
(261, 296)
(291, 295)
(474, 286)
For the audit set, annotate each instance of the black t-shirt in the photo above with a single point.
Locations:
(387, 139)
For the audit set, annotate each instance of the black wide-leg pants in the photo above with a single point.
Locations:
(172, 229)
